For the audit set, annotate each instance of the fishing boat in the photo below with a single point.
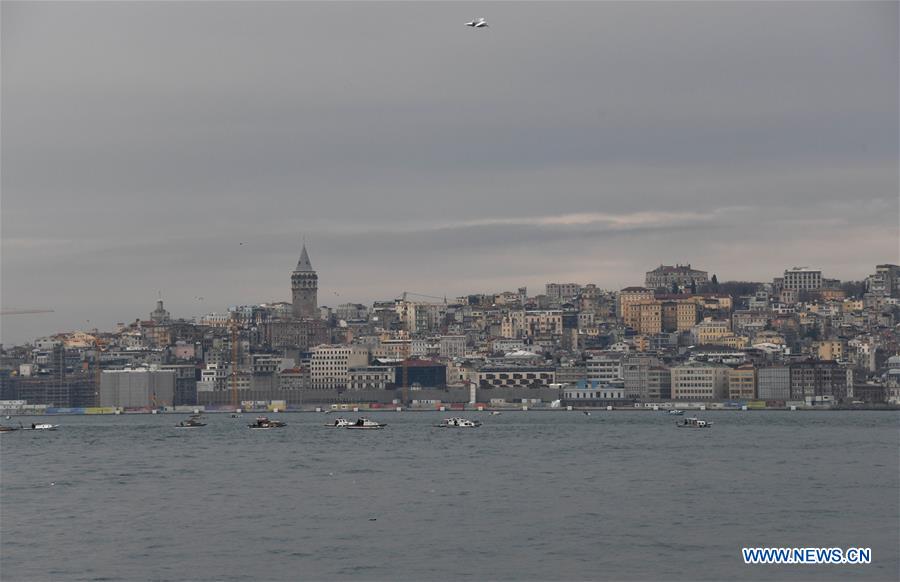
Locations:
(339, 422)
(693, 422)
(193, 421)
(264, 423)
(41, 426)
(458, 423)
(364, 423)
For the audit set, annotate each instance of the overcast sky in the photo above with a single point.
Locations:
(584, 142)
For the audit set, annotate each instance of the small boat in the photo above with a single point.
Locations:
(676, 412)
(495, 413)
(693, 422)
(193, 421)
(339, 422)
(586, 412)
(458, 423)
(364, 423)
(264, 423)
(4, 428)
(41, 426)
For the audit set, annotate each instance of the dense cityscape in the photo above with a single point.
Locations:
(683, 339)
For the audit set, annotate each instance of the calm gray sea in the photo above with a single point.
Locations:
(528, 496)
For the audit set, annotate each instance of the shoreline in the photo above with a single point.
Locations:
(365, 410)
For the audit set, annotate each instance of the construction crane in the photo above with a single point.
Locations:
(23, 311)
(98, 347)
(234, 326)
(405, 293)
(404, 355)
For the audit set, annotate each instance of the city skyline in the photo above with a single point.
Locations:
(303, 265)
(741, 138)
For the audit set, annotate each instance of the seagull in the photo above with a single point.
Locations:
(478, 23)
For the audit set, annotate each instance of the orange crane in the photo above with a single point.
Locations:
(98, 367)
(234, 326)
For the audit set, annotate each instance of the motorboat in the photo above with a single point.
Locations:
(4, 428)
(193, 421)
(586, 412)
(458, 423)
(41, 426)
(339, 422)
(364, 423)
(495, 413)
(264, 423)
(676, 412)
(693, 422)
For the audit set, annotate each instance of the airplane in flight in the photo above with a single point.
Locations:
(478, 23)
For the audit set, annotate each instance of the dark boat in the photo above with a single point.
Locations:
(193, 421)
(264, 423)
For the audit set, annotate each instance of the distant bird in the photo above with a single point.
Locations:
(478, 23)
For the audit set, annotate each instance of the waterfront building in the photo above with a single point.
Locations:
(742, 383)
(329, 366)
(185, 383)
(293, 379)
(213, 378)
(370, 378)
(137, 388)
(516, 376)
(420, 373)
(699, 381)
(645, 377)
(604, 368)
(810, 380)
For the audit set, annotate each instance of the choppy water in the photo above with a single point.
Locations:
(528, 496)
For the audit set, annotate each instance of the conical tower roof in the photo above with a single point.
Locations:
(303, 265)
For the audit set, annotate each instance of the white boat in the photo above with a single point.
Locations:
(339, 422)
(41, 426)
(676, 412)
(458, 423)
(693, 422)
(364, 423)
(263, 423)
(495, 413)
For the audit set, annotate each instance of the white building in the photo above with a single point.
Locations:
(700, 381)
(605, 369)
(802, 279)
(329, 366)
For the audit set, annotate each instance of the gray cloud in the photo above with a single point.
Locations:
(582, 141)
